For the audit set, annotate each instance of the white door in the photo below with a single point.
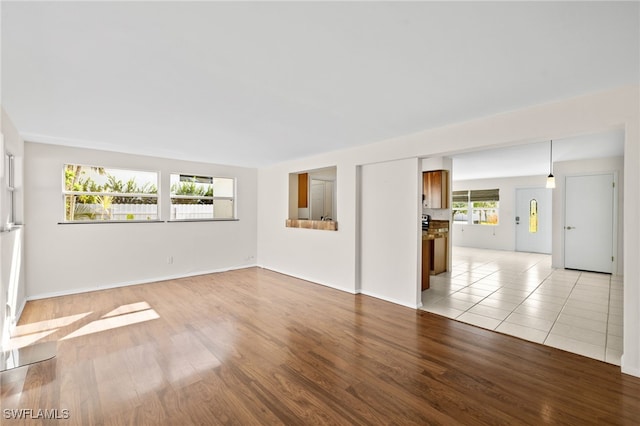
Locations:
(533, 220)
(328, 199)
(588, 230)
(317, 199)
(322, 199)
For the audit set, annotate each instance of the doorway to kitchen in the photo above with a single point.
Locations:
(518, 277)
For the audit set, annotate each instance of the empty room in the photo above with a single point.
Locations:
(320, 212)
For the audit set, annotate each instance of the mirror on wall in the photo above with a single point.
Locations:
(312, 194)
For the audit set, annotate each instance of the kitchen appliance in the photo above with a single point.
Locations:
(425, 221)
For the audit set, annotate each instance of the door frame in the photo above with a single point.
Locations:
(615, 226)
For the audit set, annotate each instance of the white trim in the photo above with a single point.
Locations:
(396, 301)
(347, 290)
(616, 224)
(311, 280)
(628, 369)
(135, 282)
(2, 152)
(117, 194)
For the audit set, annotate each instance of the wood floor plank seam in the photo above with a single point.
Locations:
(253, 346)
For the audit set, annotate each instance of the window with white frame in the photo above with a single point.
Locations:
(10, 182)
(196, 197)
(460, 206)
(100, 194)
(477, 207)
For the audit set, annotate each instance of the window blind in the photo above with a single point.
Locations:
(460, 196)
(485, 195)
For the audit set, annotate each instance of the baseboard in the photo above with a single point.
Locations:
(310, 279)
(134, 282)
(392, 300)
(347, 290)
(213, 271)
(630, 371)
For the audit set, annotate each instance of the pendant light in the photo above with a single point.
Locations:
(551, 180)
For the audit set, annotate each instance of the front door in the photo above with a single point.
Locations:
(588, 230)
(533, 220)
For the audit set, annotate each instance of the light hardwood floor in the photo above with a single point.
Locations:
(256, 347)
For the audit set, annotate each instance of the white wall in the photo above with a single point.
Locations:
(503, 235)
(390, 244)
(331, 258)
(325, 257)
(68, 258)
(12, 269)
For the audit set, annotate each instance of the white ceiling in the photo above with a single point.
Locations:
(256, 83)
(534, 158)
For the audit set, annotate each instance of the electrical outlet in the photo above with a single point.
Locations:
(170, 260)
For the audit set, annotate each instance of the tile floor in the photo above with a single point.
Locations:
(522, 295)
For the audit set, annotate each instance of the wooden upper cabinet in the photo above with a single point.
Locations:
(303, 190)
(435, 189)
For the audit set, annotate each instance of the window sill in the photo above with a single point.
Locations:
(202, 220)
(93, 222)
(476, 224)
(81, 222)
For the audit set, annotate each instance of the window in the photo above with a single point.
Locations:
(533, 216)
(483, 204)
(10, 168)
(202, 197)
(460, 206)
(109, 195)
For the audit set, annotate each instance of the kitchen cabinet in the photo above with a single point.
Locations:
(435, 189)
(303, 190)
(435, 250)
(438, 258)
(434, 256)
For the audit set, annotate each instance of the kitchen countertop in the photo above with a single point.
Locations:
(432, 234)
(324, 225)
(437, 229)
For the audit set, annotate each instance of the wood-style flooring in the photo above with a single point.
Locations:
(254, 347)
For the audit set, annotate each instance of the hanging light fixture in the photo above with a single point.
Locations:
(551, 180)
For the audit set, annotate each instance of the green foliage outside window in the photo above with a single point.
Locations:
(477, 206)
(95, 200)
(486, 212)
(194, 189)
(460, 210)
